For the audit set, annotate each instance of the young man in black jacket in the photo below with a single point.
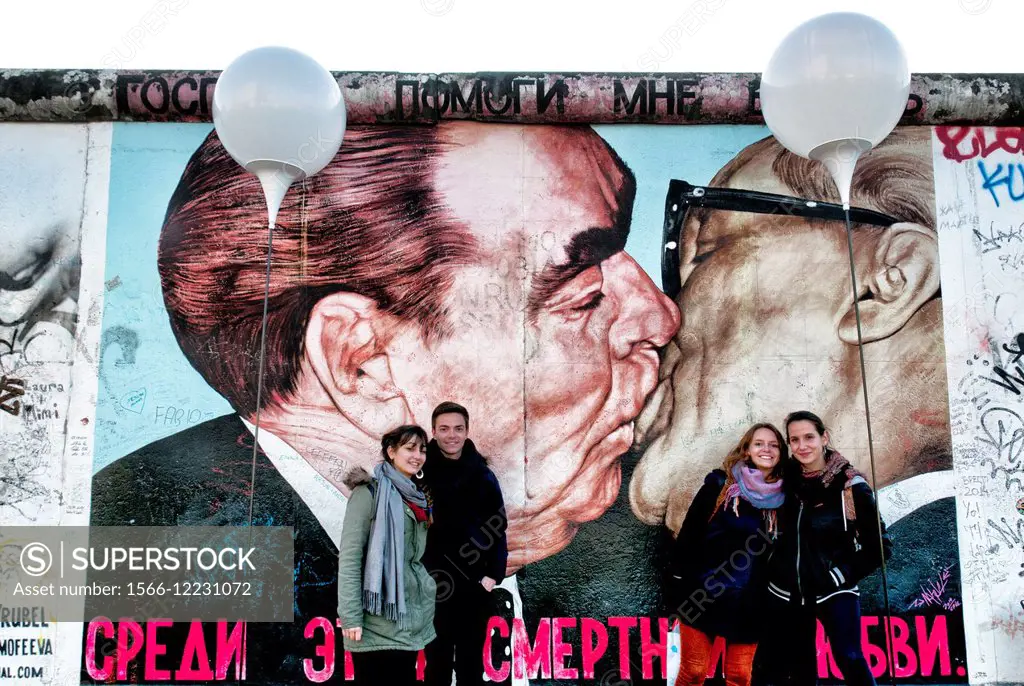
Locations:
(466, 550)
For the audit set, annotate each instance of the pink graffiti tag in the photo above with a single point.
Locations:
(931, 594)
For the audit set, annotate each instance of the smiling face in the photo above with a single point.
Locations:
(807, 445)
(764, 451)
(409, 457)
(556, 328)
(450, 432)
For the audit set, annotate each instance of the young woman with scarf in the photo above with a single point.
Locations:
(718, 558)
(385, 595)
(832, 537)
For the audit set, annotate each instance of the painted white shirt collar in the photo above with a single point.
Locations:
(322, 497)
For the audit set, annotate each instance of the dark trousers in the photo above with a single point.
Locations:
(461, 625)
(788, 652)
(378, 667)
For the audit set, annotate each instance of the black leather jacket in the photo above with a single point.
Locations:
(823, 550)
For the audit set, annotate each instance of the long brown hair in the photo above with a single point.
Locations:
(739, 454)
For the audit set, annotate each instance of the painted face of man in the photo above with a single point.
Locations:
(556, 328)
(768, 327)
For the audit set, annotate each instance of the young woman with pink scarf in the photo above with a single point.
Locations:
(718, 560)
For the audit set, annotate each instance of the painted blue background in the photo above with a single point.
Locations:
(147, 390)
(144, 378)
(658, 154)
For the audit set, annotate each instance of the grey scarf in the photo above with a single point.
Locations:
(384, 569)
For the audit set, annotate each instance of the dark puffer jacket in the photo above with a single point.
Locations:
(468, 536)
(718, 566)
(829, 537)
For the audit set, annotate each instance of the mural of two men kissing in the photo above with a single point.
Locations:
(500, 266)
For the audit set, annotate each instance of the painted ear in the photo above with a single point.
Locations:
(901, 276)
(345, 347)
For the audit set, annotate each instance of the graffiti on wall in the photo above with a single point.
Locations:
(977, 179)
(41, 211)
(53, 193)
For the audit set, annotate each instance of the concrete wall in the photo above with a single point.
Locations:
(131, 283)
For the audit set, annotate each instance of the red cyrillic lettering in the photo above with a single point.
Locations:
(529, 660)
(934, 644)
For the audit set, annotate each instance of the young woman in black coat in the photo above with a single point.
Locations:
(718, 558)
(831, 538)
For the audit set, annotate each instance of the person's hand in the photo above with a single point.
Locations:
(354, 634)
(488, 583)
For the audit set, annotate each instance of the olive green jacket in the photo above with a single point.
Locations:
(420, 590)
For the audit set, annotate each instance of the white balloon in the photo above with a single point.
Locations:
(280, 115)
(835, 87)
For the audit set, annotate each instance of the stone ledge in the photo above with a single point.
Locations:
(84, 95)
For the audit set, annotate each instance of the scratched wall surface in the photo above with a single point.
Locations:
(53, 214)
(78, 95)
(129, 325)
(52, 196)
(979, 175)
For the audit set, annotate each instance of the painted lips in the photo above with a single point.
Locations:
(623, 435)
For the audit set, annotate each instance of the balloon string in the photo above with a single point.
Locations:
(871, 449)
(259, 377)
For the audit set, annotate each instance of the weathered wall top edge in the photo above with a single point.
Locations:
(387, 97)
(485, 72)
